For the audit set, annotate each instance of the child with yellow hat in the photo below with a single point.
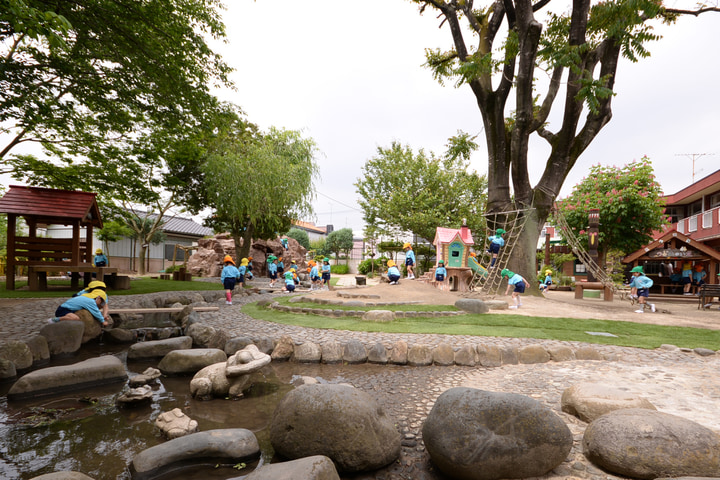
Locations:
(229, 277)
(393, 272)
(93, 302)
(547, 282)
(409, 261)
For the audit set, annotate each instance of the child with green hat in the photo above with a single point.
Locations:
(642, 284)
(496, 241)
(517, 281)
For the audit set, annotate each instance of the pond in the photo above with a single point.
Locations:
(85, 431)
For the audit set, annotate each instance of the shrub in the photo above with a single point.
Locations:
(365, 268)
(339, 269)
(301, 236)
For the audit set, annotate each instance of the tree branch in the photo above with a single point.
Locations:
(692, 12)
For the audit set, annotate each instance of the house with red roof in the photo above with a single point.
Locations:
(452, 245)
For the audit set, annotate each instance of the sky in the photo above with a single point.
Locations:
(350, 76)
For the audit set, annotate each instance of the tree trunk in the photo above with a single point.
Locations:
(243, 241)
(141, 258)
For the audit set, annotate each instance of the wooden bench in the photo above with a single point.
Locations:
(706, 294)
(580, 287)
(37, 274)
(680, 289)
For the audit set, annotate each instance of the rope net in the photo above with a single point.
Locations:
(488, 280)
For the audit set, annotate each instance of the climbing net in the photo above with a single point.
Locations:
(487, 279)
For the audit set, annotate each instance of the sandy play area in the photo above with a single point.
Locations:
(553, 304)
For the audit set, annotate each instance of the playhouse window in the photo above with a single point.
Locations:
(455, 254)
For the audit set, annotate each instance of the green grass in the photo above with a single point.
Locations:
(395, 308)
(513, 326)
(61, 288)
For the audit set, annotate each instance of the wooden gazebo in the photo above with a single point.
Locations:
(40, 207)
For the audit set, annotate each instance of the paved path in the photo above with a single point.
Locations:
(676, 382)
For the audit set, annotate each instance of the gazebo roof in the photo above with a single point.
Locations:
(447, 235)
(660, 241)
(51, 206)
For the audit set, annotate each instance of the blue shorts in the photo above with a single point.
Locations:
(273, 276)
(229, 283)
(440, 278)
(281, 270)
(315, 278)
(519, 287)
(326, 276)
(62, 311)
(643, 292)
(685, 280)
(409, 262)
(494, 248)
(393, 278)
(290, 287)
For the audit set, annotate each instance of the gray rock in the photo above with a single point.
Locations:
(378, 354)
(474, 434)
(496, 304)
(317, 467)
(343, 423)
(331, 352)
(236, 343)
(443, 355)
(264, 344)
(509, 355)
(17, 352)
(533, 354)
(489, 355)
(588, 401)
(63, 476)
(284, 349)
(646, 444)
(120, 335)
(158, 348)
(38, 346)
(588, 353)
(7, 370)
(354, 352)
(63, 337)
(56, 380)
(308, 352)
(149, 375)
(419, 356)
(201, 334)
(704, 352)
(175, 424)
(561, 353)
(179, 362)
(466, 356)
(135, 397)
(399, 353)
(233, 444)
(379, 316)
(92, 328)
(472, 305)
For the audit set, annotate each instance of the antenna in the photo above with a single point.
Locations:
(693, 157)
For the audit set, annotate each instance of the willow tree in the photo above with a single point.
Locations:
(258, 186)
(500, 49)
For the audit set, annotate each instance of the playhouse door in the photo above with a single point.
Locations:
(455, 252)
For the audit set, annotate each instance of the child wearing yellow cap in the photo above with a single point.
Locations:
(229, 276)
(93, 302)
(393, 272)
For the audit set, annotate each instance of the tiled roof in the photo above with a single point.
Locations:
(48, 205)
(446, 235)
(183, 226)
(310, 227)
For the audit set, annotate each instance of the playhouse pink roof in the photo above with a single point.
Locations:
(446, 235)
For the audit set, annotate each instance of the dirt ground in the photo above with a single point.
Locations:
(553, 304)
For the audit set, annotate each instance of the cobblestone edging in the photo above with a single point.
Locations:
(359, 313)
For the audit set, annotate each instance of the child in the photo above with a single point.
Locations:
(686, 278)
(100, 260)
(228, 277)
(642, 284)
(698, 276)
(93, 302)
(393, 272)
(409, 261)
(289, 281)
(249, 269)
(272, 269)
(243, 270)
(281, 267)
(93, 286)
(441, 273)
(520, 284)
(547, 282)
(293, 266)
(314, 275)
(326, 273)
(284, 241)
(496, 241)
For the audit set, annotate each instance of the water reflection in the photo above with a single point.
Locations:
(85, 431)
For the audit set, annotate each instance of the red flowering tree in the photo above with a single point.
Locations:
(630, 202)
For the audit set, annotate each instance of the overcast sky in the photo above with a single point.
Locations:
(349, 74)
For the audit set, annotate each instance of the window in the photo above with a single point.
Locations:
(580, 268)
(695, 207)
(707, 219)
(715, 200)
(692, 223)
(675, 213)
(681, 226)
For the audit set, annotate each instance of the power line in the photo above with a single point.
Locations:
(341, 203)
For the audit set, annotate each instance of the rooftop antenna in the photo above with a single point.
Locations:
(693, 157)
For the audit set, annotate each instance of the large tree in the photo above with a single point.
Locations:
(340, 241)
(257, 186)
(105, 87)
(502, 48)
(403, 191)
(630, 202)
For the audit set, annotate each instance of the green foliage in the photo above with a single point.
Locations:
(301, 236)
(372, 265)
(630, 203)
(318, 249)
(112, 231)
(402, 191)
(340, 241)
(340, 269)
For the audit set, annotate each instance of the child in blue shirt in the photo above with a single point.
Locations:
(243, 270)
(93, 302)
(409, 261)
(441, 273)
(289, 281)
(517, 281)
(642, 284)
(100, 260)
(272, 269)
(547, 282)
(281, 267)
(228, 277)
(496, 241)
(393, 272)
(326, 273)
(314, 275)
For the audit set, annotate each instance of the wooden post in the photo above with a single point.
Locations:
(10, 267)
(593, 232)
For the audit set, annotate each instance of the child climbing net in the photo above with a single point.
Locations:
(505, 226)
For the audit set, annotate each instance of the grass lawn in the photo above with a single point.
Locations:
(61, 288)
(628, 334)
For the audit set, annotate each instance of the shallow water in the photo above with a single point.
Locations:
(84, 431)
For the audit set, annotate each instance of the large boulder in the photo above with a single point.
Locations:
(232, 444)
(317, 467)
(56, 380)
(93, 328)
(66, 475)
(17, 352)
(479, 435)
(337, 421)
(588, 401)
(182, 362)
(472, 305)
(158, 348)
(641, 443)
(63, 337)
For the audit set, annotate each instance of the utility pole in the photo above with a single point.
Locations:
(693, 157)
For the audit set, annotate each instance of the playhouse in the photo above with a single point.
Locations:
(452, 245)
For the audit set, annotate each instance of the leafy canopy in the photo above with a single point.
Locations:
(403, 191)
(301, 236)
(630, 201)
(340, 241)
